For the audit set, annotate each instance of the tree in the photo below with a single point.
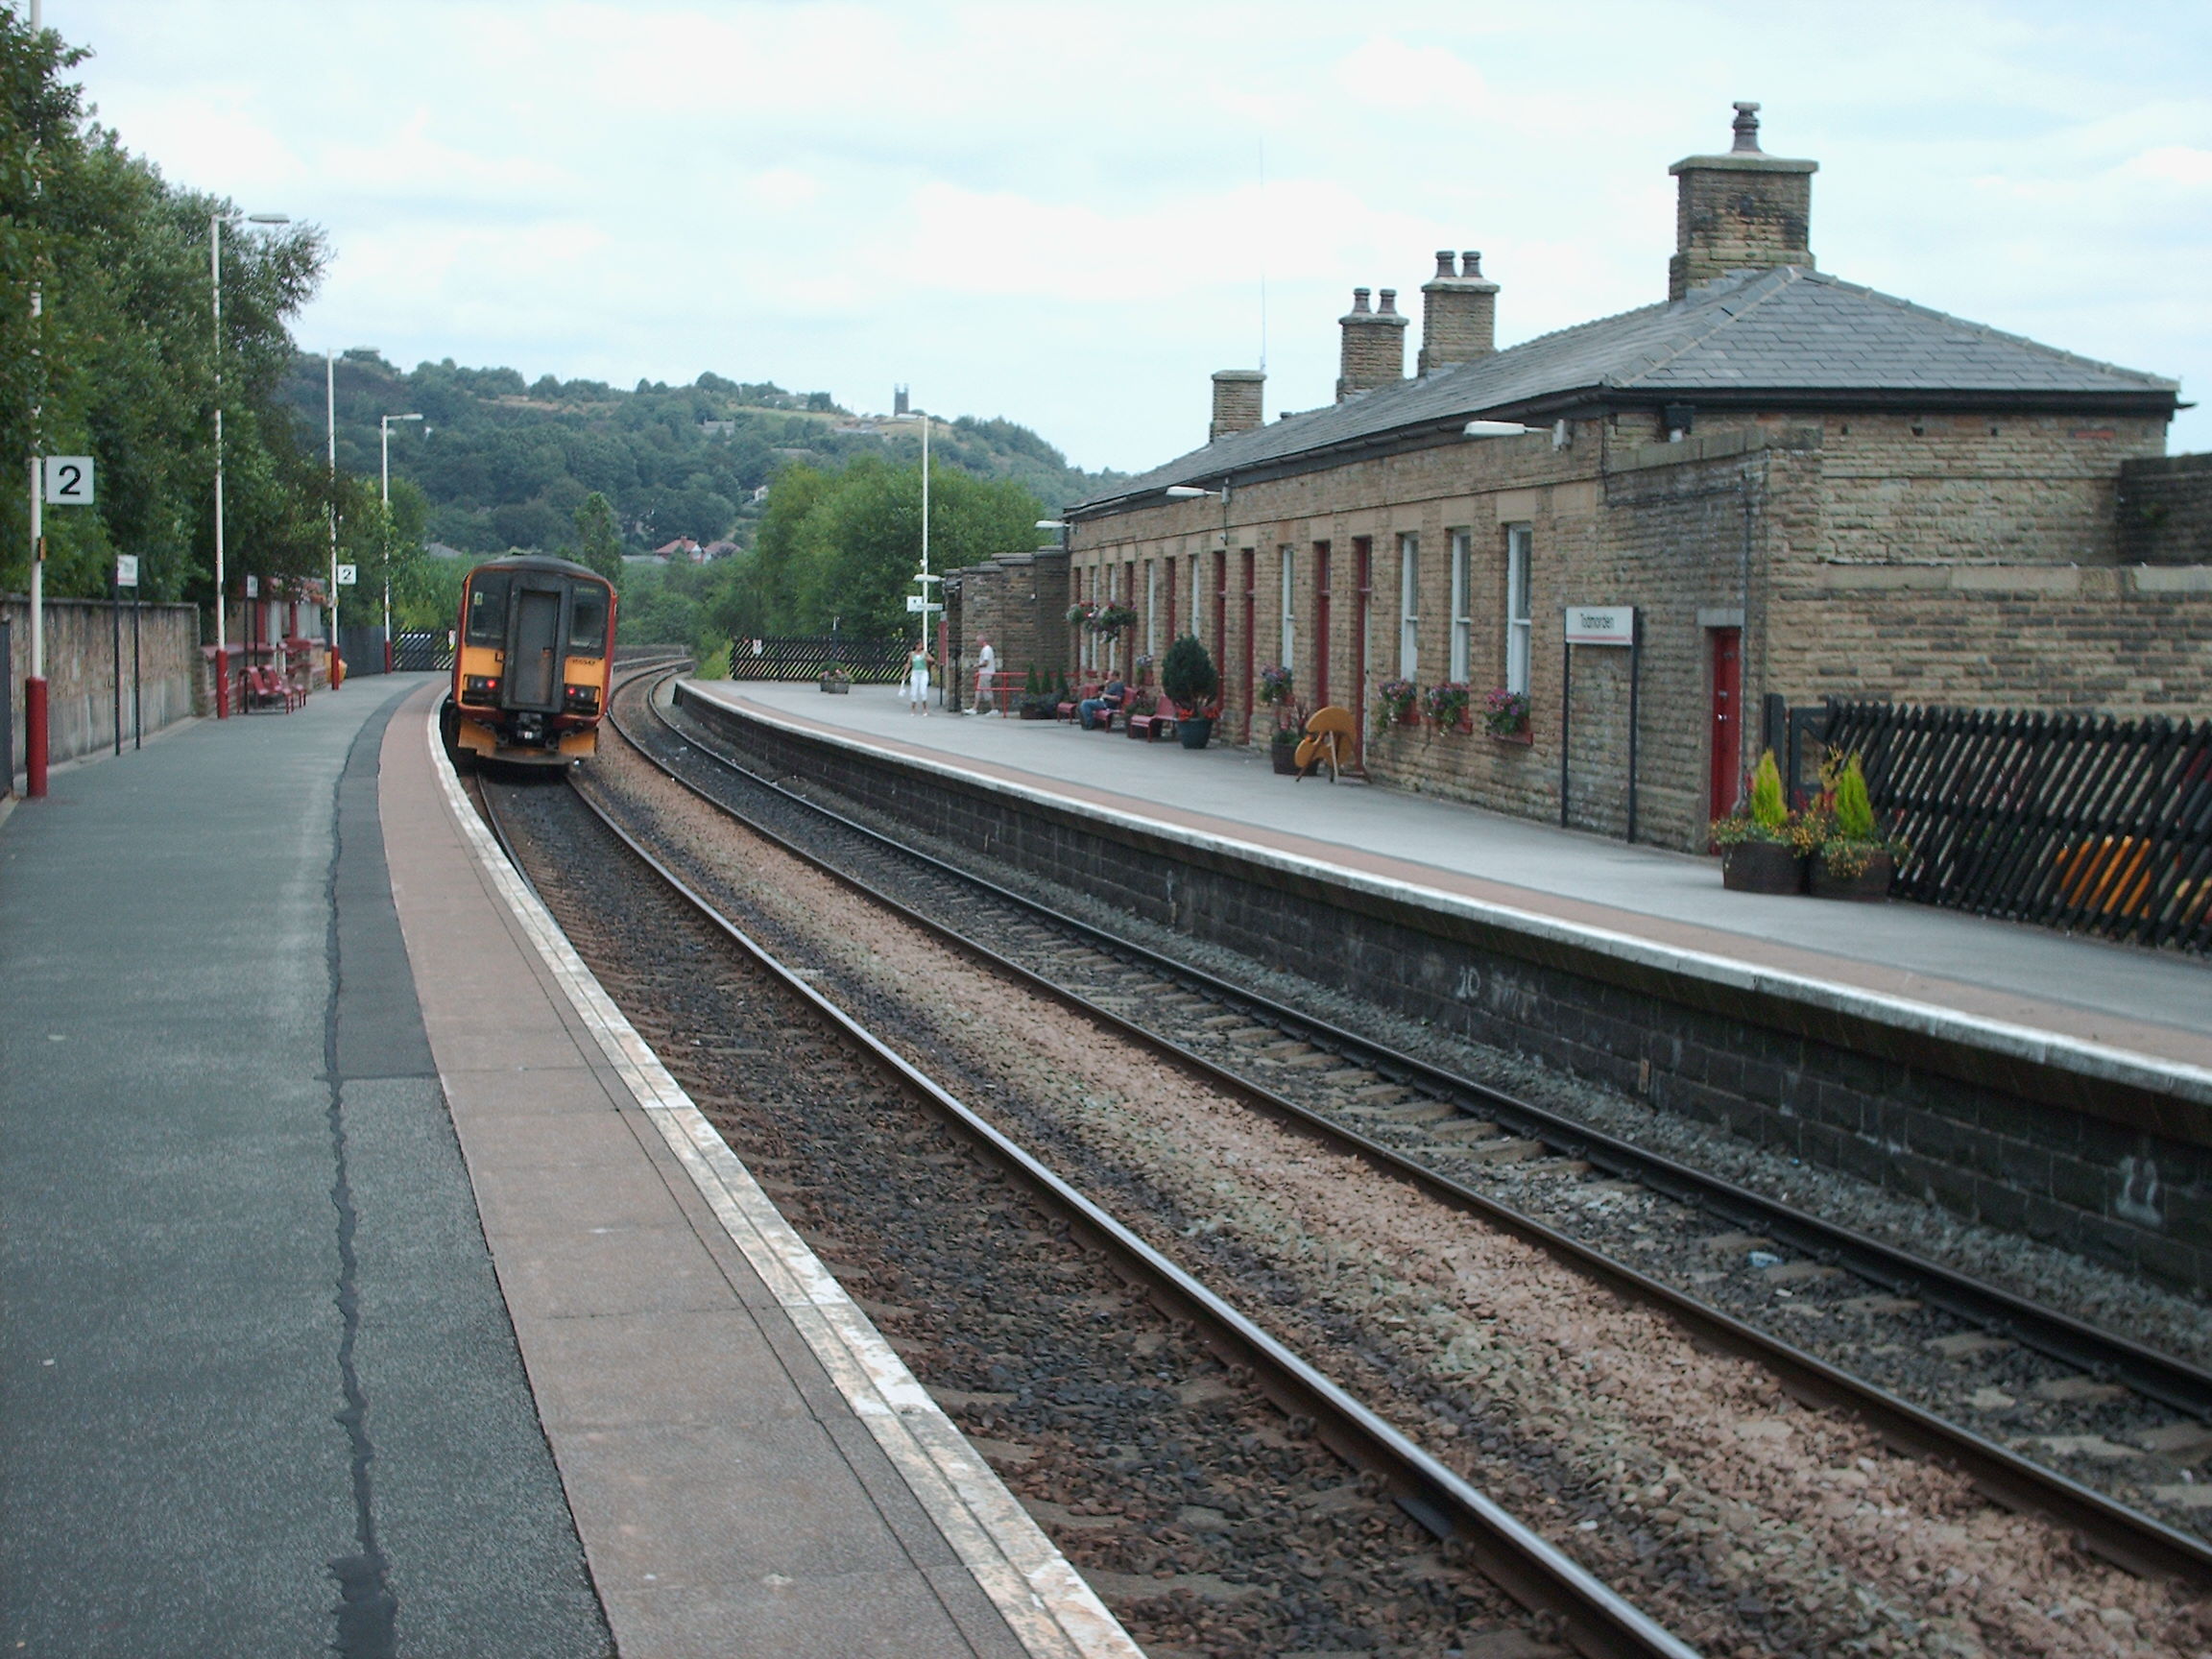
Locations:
(121, 365)
(599, 542)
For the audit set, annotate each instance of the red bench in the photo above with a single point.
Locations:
(268, 688)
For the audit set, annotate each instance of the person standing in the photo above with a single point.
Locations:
(986, 666)
(918, 679)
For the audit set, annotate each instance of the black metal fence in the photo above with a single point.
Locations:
(2076, 821)
(792, 657)
(422, 650)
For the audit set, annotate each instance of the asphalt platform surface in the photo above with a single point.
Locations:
(258, 1390)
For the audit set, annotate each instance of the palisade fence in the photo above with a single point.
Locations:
(794, 656)
(2085, 821)
(422, 650)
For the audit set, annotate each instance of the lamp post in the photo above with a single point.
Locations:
(926, 578)
(222, 607)
(384, 438)
(330, 439)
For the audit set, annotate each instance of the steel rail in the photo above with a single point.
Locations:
(2168, 1379)
(2138, 1542)
(1595, 1619)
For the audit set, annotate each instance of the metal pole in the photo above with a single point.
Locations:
(34, 685)
(115, 658)
(1566, 715)
(330, 438)
(1635, 680)
(384, 533)
(222, 617)
(138, 683)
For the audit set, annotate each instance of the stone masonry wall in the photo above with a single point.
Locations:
(2166, 510)
(2090, 1164)
(1860, 555)
(1019, 604)
(80, 672)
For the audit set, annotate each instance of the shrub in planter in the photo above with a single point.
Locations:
(1189, 680)
(1505, 714)
(1759, 853)
(1446, 706)
(1282, 749)
(1851, 858)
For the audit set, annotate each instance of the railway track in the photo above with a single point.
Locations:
(1281, 1513)
(1397, 1130)
(1897, 1326)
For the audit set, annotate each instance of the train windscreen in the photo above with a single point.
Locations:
(588, 620)
(487, 608)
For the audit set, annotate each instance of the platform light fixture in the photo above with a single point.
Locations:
(1497, 430)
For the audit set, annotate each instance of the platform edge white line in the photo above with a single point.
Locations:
(1046, 1602)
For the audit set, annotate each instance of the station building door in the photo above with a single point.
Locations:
(1726, 649)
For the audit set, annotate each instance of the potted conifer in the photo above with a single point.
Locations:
(1854, 858)
(1189, 680)
(1757, 852)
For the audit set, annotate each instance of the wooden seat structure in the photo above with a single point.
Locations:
(1330, 743)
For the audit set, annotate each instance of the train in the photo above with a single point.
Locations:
(533, 662)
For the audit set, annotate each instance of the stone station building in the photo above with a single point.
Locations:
(1802, 486)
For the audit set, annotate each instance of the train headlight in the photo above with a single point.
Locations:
(580, 699)
(480, 688)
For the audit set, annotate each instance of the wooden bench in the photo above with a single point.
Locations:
(268, 688)
(1152, 727)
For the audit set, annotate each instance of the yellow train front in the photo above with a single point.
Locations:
(532, 661)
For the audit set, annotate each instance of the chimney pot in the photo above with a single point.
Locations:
(1460, 314)
(1747, 126)
(1374, 345)
(1237, 402)
(1744, 210)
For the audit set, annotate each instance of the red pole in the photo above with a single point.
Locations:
(34, 737)
(222, 685)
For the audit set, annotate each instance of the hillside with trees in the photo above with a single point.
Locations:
(502, 463)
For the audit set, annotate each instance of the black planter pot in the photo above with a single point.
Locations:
(1870, 886)
(1193, 731)
(1285, 759)
(1762, 867)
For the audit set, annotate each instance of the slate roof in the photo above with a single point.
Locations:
(1785, 334)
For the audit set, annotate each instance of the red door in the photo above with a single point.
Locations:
(1727, 718)
(1245, 679)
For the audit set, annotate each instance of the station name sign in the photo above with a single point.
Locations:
(1601, 624)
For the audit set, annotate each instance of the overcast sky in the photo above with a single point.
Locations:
(1067, 214)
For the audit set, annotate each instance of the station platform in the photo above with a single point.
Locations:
(2140, 1013)
(367, 1287)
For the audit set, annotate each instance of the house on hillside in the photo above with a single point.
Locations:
(1777, 485)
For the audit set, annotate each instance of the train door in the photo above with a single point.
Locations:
(534, 643)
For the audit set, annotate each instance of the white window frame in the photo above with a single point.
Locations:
(1520, 552)
(1286, 638)
(1409, 606)
(1462, 603)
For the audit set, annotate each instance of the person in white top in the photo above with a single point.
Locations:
(986, 664)
(918, 662)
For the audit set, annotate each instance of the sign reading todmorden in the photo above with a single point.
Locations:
(1601, 624)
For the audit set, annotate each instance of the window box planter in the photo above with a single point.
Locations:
(837, 685)
(1521, 738)
(1762, 867)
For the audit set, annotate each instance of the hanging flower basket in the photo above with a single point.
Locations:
(1396, 703)
(1506, 716)
(1276, 685)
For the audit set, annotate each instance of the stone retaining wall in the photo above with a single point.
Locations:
(80, 672)
(2117, 1167)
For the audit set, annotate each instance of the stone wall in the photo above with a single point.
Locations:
(1019, 604)
(2115, 1169)
(2166, 510)
(1954, 557)
(80, 672)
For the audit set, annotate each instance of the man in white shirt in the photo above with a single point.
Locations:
(986, 665)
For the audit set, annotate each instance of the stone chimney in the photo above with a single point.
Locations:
(1459, 314)
(1237, 405)
(1742, 211)
(1374, 345)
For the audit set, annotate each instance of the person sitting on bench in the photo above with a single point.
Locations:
(1110, 698)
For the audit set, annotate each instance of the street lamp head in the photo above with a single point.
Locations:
(1051, 524)
(1191, 492)
(1497, 429)
(268, 219)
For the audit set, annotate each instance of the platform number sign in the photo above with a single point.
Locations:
(345, 575)
(68, 480)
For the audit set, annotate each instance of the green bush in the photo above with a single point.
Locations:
(1853, 812)
(1187, 674)
(1767, 807)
